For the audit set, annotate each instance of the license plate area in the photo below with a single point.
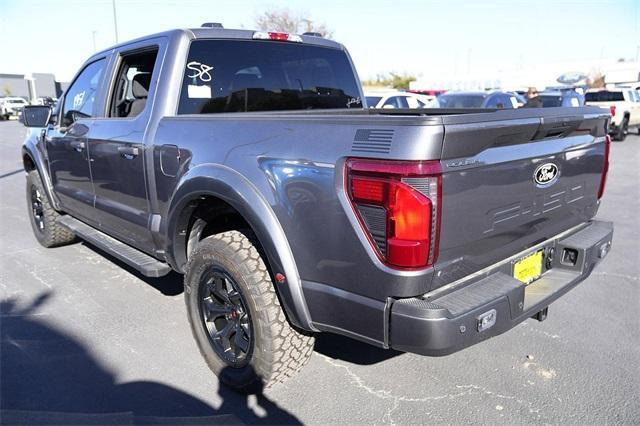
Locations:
(528, 268)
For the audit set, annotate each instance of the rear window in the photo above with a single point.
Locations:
(551, 101)
(604, 96)
(460, 101)
(243, 75)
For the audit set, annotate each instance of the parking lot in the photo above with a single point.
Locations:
(83, 335)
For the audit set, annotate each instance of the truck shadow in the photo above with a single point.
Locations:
(49, 377)
(353, 351)
(331, 345)
(169, 285)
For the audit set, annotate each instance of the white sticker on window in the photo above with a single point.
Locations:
(198, 92)
(201, 71)
(77, 100)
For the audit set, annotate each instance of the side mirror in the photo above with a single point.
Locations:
(36, 115)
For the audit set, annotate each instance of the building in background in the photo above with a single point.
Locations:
(31, 86)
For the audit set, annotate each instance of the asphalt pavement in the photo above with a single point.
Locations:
(86, 340)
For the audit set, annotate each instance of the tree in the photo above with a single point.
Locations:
(595, 79)
(286, 21)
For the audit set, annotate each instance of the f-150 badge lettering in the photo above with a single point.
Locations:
(201, 71)
(510, 215)
(545, 174)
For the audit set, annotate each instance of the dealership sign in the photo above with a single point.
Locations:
(571, 77)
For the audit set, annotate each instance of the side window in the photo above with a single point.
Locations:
(81, 95)
(392, 102)
(492, 102)
(129, 94)
(402, 101)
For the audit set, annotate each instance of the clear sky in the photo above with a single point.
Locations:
(442, 37)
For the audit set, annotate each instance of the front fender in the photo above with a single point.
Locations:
(35, 151)
(230, 186)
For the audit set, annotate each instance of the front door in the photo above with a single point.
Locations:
(67, 142)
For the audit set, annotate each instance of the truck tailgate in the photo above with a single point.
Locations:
(492, 205)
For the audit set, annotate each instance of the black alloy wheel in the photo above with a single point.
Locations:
(226, 318)
(37, 209)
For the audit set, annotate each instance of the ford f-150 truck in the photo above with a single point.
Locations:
(248, 162)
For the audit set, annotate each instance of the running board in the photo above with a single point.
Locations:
(147, 265)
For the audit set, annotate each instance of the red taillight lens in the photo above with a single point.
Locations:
(268, 35)
(398, 205)
(605, 168)
(612, 110)
(279, 36)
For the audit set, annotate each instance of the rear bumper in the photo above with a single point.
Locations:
(448, 322)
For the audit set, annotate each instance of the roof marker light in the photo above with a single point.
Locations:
(264, 35)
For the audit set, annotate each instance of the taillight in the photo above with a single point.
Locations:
(264, 35)
(605, 168)
(612, 110)
(398, 205)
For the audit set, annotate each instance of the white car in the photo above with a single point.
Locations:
(391, 100)
(11, 105)
(624, 105)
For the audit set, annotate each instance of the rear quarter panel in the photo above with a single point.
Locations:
(295, 162)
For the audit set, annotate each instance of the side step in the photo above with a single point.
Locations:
(144, 263)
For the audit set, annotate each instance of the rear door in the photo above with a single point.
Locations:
(117, 148)
(67, 148)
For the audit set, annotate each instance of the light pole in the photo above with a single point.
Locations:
(93, 35)
(115, 21)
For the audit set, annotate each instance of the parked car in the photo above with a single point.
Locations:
(292, 209)
(488, 99)
(564, 98)
(391, 100)
(624, 106)
(10, 106)
(46, 100)
(521, 100)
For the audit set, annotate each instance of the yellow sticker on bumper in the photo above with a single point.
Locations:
(529, 268)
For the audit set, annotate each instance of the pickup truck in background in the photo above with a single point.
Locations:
(247, 162)
(624, 105)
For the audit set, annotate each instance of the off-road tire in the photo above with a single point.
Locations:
(51, 234)
(278, 350)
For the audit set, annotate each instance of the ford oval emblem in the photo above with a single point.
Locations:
(546, 174)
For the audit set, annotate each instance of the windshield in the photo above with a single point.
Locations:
(243, 75)
(604, 96)
(551, 101)
(372, 101)
(461, 101)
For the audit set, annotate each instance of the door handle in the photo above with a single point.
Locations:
(77, 145)
(128, 152)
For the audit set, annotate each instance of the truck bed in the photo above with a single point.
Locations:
(296, 160)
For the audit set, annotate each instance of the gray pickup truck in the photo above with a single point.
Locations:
(248, 162)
